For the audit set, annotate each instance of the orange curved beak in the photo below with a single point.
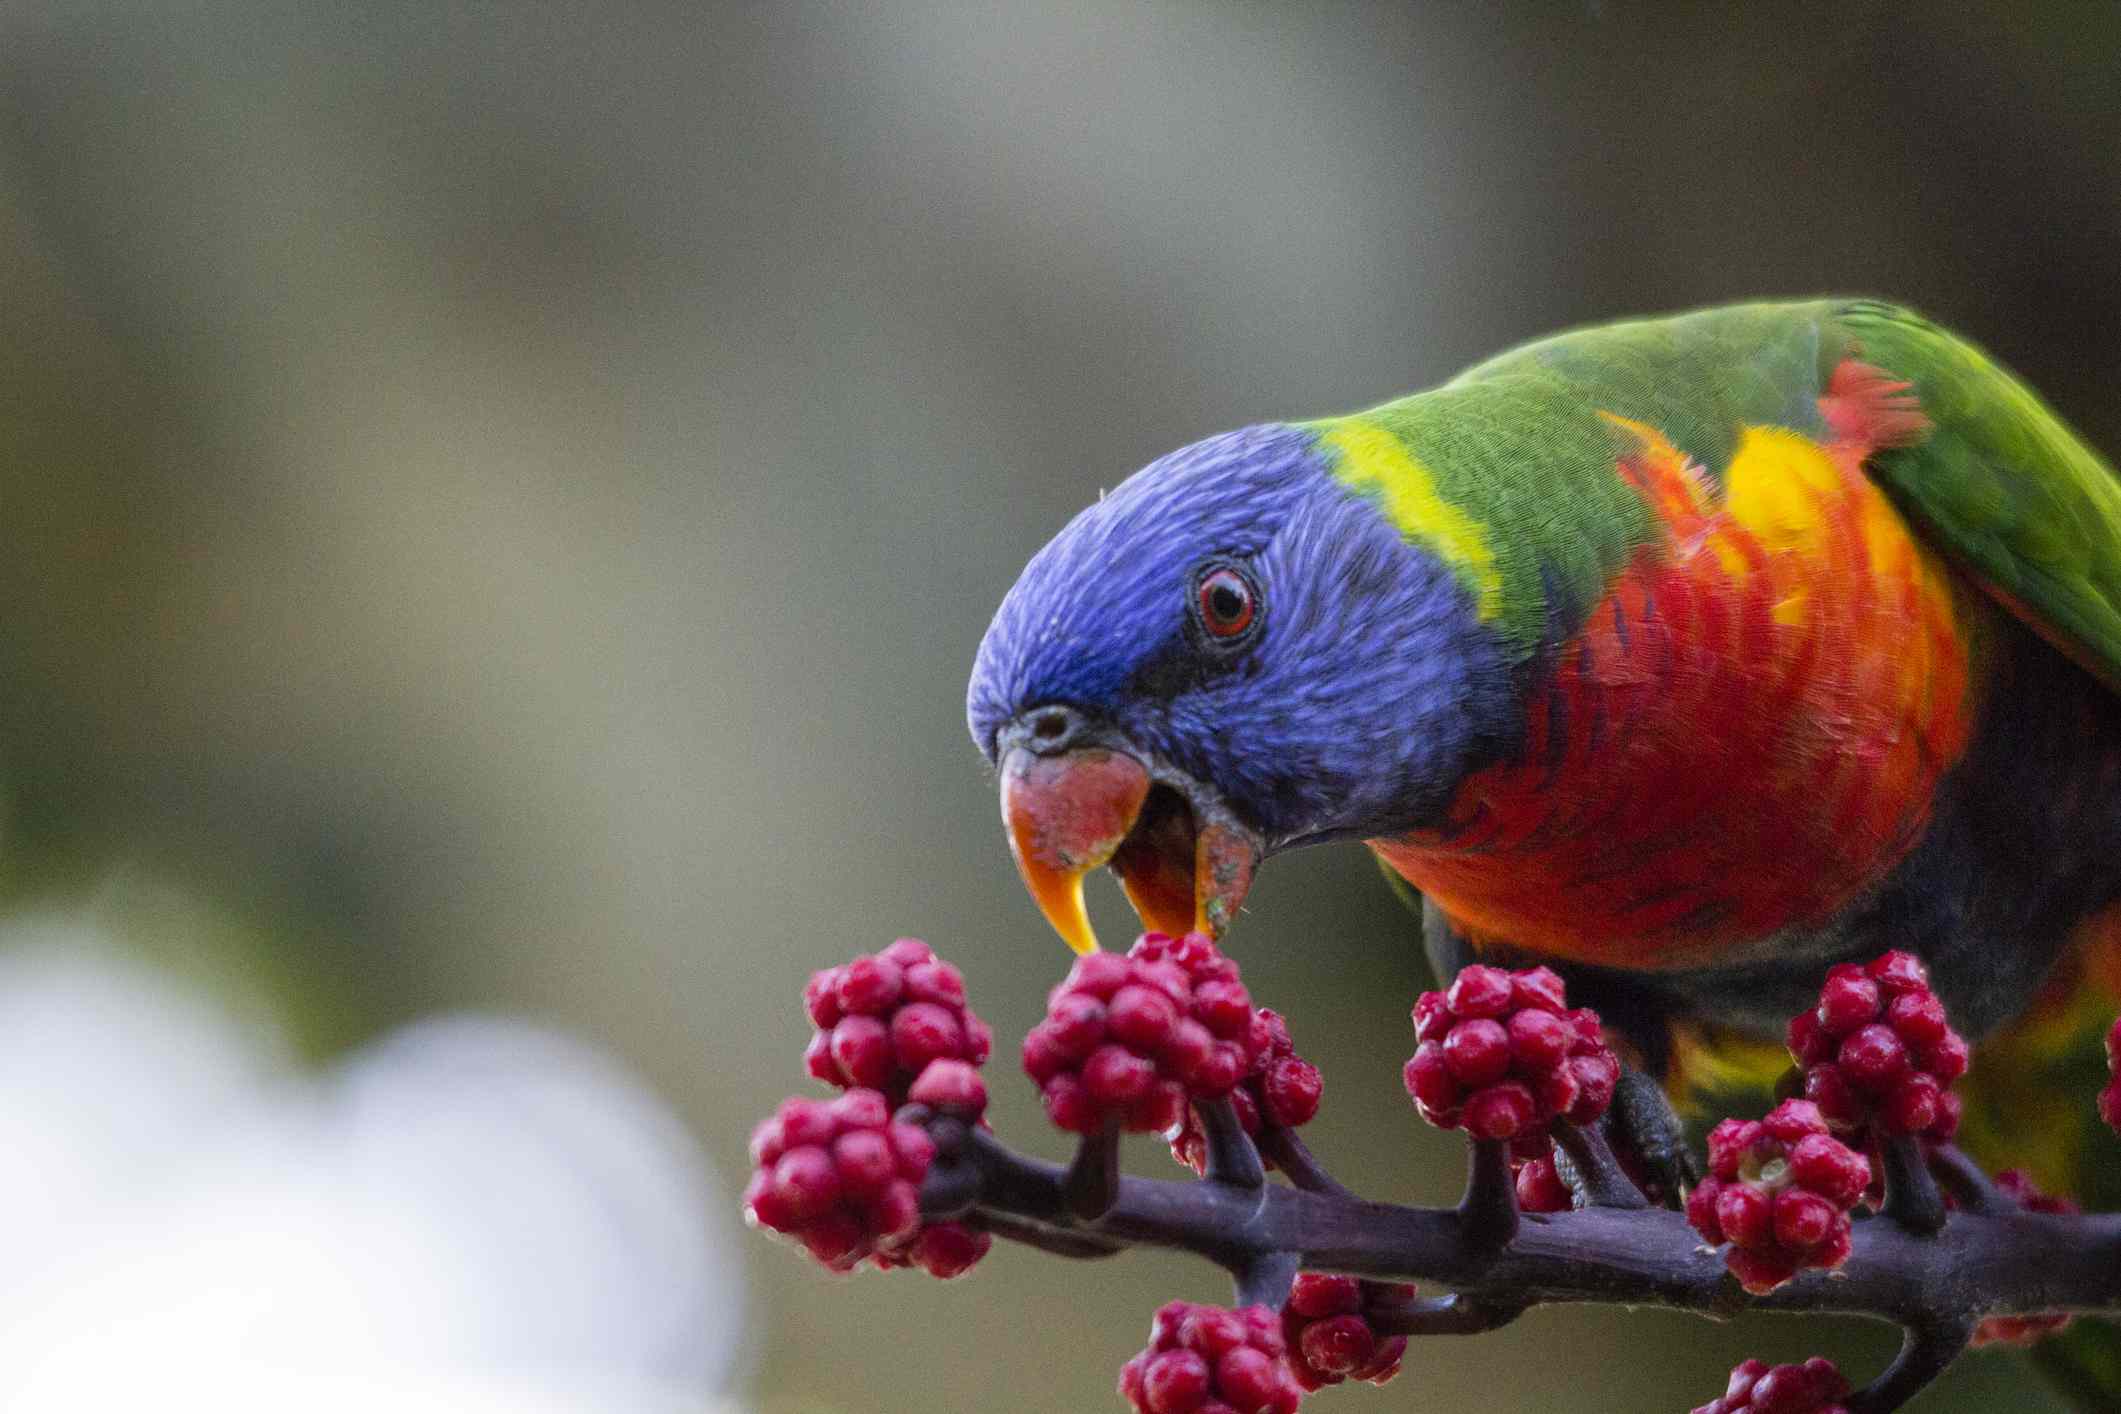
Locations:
(1066, 814)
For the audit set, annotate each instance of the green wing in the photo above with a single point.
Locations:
(2002, 484)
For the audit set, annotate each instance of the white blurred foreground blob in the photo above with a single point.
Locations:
(469, 1215)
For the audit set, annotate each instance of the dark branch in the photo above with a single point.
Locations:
(1232, 1157)
(1487, 1214)
(1605, 1184)
(1093, 1178)
(1935, 1286)
(1911, 1195)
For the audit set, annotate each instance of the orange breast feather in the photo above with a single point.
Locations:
(1746, 732)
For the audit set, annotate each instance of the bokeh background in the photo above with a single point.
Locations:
(497, 504)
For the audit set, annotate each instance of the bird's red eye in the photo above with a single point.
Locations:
(1226, 607)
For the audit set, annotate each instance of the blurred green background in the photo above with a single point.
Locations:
(500, 500)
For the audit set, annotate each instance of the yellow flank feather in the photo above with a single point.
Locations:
(1779, 484)
(1373, 462)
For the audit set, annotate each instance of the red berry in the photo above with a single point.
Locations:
(952, 1087)
(1911, 1108)
(864, 1161)
(946, 1250)
(861, 1045)
(1432, 1017)
(1339, 1345)
(1918, 1017)
(1500, 1111)
(925, 1031)
(869, 986)
(908, 952)
(936, 982)
(1898, 972)
(821, 998)
(1873, 1057)
(1745, 1214)
(1220, 1072)
(1829, 1168)
(1225, 1008)
(1848, 1000)
(1290, 1091)
(1802, 1220)
(1538, 1039)
(1946, 1058)
(1540, 1189)
(1316, 1296)
(1076, 1022)
(1115, 1076)
(1826, 1087)
(806, 1122)
(1069, 1106)
(1479, 991)
(1175, 1382)
(1478, 1053)
(1098, 974)
(1186, 1049)
(1597, 1076)
(1141, 1018)
(1538, 987)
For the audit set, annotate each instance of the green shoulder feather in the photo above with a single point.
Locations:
(2002, 484)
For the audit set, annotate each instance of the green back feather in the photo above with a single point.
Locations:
(2002, 484)
(1507, 470)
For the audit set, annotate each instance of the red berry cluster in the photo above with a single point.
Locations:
(2025, 1330)
(1326, 1325)
(1280, 1088)
(1878, 1047)
(1501, 1055)
(1212, 1360)
(2110, 1097)
(1779, 1191)
(1136, 1037)
(838, 1176)
(1815, 1387)
(880, 1020)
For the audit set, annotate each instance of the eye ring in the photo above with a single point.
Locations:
(1225, 603)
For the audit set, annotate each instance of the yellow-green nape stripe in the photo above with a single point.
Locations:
(1372, 462)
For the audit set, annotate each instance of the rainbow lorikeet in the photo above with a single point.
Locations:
(1689, 655)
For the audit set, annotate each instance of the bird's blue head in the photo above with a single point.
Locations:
(1231, 654)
